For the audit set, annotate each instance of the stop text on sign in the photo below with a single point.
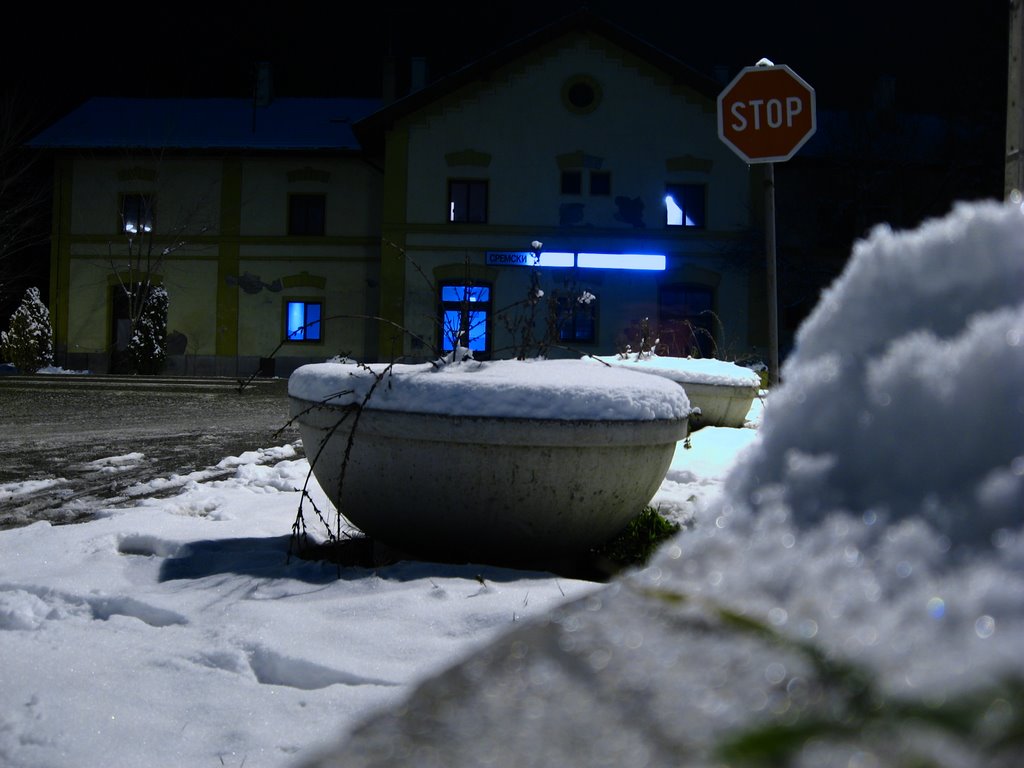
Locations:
(774, 112)
(766, 113)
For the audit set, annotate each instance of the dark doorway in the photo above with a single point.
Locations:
(120, 330)
(686, 320)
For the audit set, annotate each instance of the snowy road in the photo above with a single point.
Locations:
(71, 442)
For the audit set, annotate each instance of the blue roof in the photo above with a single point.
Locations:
(209, 123)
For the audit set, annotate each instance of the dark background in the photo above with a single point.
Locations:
(947, 58)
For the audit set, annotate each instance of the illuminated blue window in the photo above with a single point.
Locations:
(685, 205)
(302, 320)
(465, 317)
(466, 292)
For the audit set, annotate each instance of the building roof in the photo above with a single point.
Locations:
(285, 124)
(297, 124)
(370, 130)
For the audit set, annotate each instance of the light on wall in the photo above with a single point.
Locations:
(642, 261)
(556, 259)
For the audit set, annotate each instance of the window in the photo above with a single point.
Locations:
(600, 183)
(306, 214)
(137, 213)
(572, 182)
(684, 205)
(467, 200)
(465, 317)
(302, 320)
(581, 94)
(577, 318)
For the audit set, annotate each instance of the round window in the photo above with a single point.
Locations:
(581, 94)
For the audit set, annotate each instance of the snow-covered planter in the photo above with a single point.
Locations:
(506, 460)
(721, 393)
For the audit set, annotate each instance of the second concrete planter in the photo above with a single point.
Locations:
(721, 393)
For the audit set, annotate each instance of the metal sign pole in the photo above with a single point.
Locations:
(771, 115)
(1014, 175)
(769, 247)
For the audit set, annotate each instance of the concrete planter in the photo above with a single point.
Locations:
(487, 487)
(721, 393)
(720, 405)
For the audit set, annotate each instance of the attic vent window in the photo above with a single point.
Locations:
(581, 94)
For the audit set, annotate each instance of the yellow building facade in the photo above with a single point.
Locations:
(570, 189)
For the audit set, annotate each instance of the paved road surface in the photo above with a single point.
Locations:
(74, 427)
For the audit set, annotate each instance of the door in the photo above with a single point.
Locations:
(686, 320)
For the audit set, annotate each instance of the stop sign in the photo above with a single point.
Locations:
(766, 114)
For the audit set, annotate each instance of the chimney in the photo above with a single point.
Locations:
(395, 85)
(884, 96)
(417, 73)
(263, 90)
(389, 86)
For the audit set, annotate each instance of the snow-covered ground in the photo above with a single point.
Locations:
(177, 632)
(849, 589)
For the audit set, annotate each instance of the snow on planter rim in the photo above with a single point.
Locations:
(538, 389)
(689, 369)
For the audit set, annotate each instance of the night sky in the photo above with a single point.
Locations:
(945, 55)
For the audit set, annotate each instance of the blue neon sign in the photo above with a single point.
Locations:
(639, 261)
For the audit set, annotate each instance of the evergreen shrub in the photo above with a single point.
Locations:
(28, 340)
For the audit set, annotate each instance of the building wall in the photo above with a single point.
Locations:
(222, 251)
(230, 265)
(187, 190)
(516, 131)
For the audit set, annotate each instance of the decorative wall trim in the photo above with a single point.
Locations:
(138, 173)
(468, 157)
(475, 272)
(688, 163)
(579, 159)
(304, 280)
(308, 174)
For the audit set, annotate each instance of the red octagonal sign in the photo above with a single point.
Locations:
(766, 114)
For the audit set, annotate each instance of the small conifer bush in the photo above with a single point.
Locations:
(147, 347)
(28, 340)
